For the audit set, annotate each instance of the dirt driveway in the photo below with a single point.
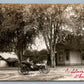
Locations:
(69, 73)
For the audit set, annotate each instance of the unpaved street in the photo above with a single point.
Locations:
(56, 74)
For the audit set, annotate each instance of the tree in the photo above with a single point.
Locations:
(76, 18)
(54, 19)
(13, 35)
(76, 21)
(20, 24)
(50, 21)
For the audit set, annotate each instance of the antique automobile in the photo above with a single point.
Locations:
(25, 67)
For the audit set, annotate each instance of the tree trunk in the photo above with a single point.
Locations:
(53, 62)
(19, 53)
(48, 59)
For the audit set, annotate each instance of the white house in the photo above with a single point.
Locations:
(67, 55)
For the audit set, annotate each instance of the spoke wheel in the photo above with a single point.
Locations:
(44, 70)
(23, 69)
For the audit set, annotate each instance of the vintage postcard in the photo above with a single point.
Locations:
(41, 42)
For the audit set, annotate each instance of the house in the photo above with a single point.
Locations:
(8, 59)
(70, 53)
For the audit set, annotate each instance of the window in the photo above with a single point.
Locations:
(67, 55)
(61, 56)
(82, 56)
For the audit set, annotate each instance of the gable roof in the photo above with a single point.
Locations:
(76, 43)
(7, 55)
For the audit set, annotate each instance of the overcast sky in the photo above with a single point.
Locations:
(39, 44)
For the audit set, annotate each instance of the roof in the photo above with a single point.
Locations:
(7, 55)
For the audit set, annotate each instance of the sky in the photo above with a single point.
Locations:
(39, 44)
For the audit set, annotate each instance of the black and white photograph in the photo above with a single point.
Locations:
(41, 42)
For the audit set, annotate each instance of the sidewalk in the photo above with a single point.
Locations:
(8, 68)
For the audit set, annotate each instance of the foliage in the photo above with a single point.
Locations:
(35, 56)
(58, 23)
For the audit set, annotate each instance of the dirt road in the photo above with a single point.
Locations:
(56, 74)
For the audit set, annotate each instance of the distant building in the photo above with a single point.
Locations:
(8, 59)
(73, 55)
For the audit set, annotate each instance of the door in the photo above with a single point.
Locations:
(75, 58)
